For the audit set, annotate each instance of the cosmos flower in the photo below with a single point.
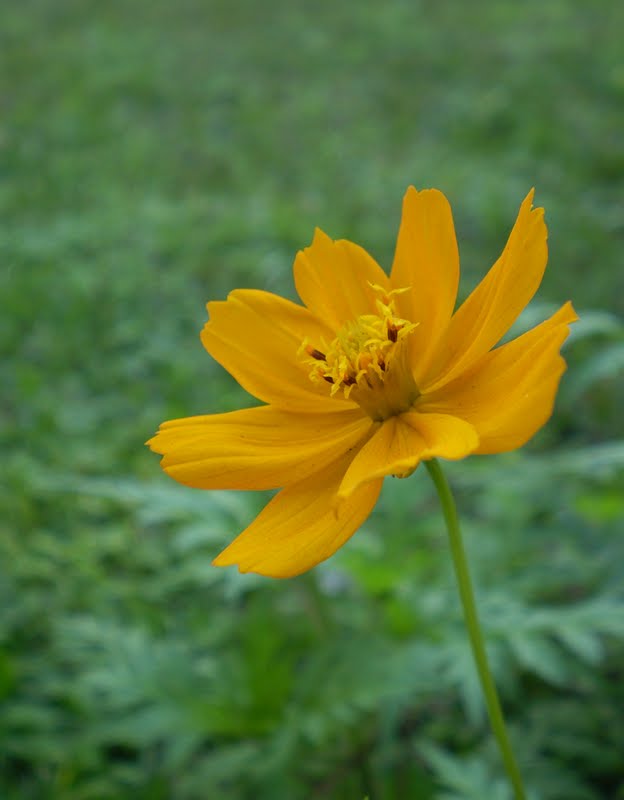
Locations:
(371, 375)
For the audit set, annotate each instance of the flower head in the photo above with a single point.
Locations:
(370, 376)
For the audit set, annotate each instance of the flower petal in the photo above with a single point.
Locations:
(492, 308)
(426, 260)
(333, 279)
(402, 442)
(301, 527)
(510, 393)
(256, 335)
(255, 448)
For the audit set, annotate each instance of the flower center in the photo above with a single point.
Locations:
(368, 360)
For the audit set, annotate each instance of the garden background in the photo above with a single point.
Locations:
(155, 155)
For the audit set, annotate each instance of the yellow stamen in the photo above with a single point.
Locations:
(367, 360)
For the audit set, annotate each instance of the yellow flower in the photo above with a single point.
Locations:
(370, 376)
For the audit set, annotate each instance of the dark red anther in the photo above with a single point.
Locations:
(312, 351)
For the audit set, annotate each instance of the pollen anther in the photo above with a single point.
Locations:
(312, 351)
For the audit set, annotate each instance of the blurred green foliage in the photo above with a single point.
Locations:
(156, 155)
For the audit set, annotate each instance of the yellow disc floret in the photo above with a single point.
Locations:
(367, 359)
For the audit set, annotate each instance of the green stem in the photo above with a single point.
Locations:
(474, 629)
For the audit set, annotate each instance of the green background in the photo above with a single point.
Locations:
(156, 155)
